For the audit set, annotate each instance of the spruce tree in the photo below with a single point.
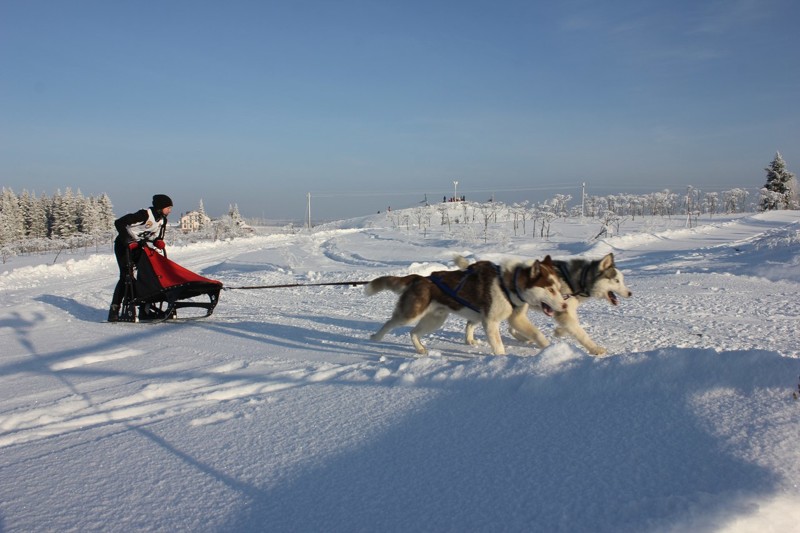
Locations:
(202, 216)
(233, 211)
(26, 205)
(12, 225)
(90, 216)
(106, 212)
(62, 215)
(38, 228)
(779, 189)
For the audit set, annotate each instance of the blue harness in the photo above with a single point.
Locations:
(453, 292)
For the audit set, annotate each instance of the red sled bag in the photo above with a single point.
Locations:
(157, 287)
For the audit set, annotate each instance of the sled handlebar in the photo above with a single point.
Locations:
(158, 245)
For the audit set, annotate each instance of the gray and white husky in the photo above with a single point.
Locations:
(581, 279)
(482, 292)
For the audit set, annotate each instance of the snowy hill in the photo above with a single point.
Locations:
(278, 414)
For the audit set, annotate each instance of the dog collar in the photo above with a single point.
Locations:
(506, 292)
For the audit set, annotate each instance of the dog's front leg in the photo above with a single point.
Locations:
(568, 324)
(523, 330)
(492, 329)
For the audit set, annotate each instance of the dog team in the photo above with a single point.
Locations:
(487, 293)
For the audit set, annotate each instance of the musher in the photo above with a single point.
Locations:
(146, 225)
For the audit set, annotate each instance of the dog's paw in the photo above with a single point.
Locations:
(542, 344)
(598, 350)
(499, 350)
(519, 336)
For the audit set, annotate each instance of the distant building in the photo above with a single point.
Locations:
(245, 226)
(193, 221)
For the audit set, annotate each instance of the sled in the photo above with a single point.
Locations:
(156, 287)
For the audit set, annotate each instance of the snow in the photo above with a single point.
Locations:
(278, 414)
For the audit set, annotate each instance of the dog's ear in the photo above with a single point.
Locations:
(607, 262)
(536, 269)
(548, 260)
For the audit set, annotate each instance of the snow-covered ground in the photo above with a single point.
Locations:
(278, 414)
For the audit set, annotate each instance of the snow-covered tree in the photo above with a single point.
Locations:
(40, 223)
(233, 212)
(33, 215)
(203, 218)
(711, 202)
(62, 214)
(90, 216)
(735, 200)
(106, 212)
(12, 225)
(794, 193)
(80, 209)
(781, 187)
(29, 224)
(559, 203)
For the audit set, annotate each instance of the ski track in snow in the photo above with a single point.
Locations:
(278, 409)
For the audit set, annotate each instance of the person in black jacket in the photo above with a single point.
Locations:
(146, 225)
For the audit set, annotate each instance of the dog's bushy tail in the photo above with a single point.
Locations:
(461, 262)
(396, 284)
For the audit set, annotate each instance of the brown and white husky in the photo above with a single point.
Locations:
(482, 292)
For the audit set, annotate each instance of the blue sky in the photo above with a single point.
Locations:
(367, 104)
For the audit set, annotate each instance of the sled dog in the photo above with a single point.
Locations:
(482, 292)
(580, 279)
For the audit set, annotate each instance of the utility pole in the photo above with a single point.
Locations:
(308, 210)
(583, 200)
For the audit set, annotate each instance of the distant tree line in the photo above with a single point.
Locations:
(62, 215)
(780, 192)
(610, 210)
(668, 203)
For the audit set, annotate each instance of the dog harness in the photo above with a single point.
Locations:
(453, 292)
(516, 286)
(562, 268)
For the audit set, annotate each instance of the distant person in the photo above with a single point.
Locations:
(144, 225)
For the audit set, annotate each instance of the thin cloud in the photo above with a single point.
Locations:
(724, 16)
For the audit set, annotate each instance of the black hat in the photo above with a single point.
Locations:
(160, 201)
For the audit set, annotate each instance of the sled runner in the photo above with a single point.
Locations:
(157, 287)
